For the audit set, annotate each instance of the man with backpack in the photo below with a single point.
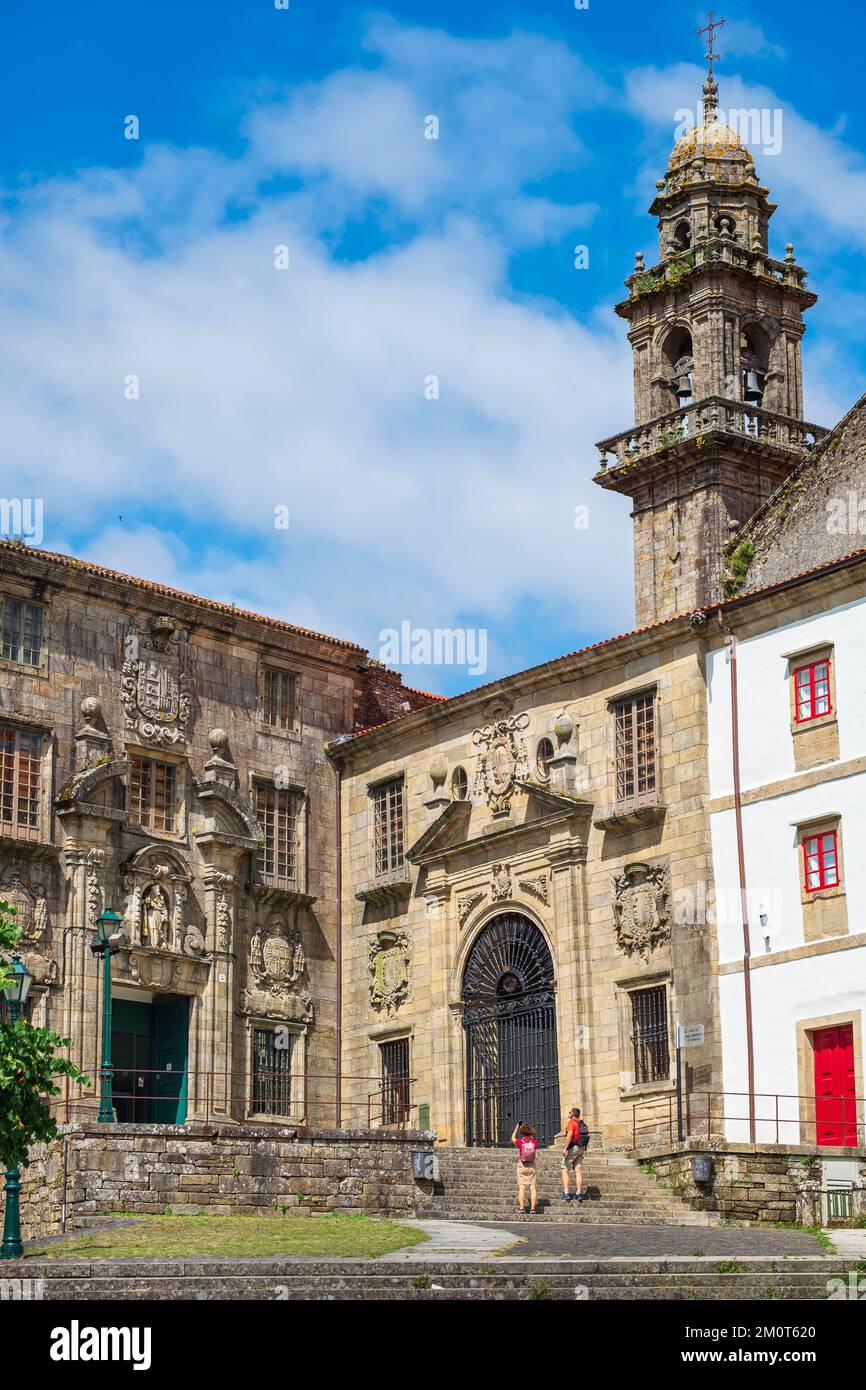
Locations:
(527, 1173)
(576, 1141)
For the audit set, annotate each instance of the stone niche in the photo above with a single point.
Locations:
(161, 945)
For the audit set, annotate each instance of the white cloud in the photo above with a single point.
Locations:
(261, 387)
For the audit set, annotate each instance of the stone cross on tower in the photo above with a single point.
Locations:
(715, 328)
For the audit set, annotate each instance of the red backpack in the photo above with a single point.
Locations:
(526, 1149)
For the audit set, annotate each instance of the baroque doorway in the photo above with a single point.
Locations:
(509, 1015)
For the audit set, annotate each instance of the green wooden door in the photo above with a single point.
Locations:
(169, 1049)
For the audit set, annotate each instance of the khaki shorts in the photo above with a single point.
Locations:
(527, 1175)
(574, 1158)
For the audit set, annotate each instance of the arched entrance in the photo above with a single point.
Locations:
(509, 1015)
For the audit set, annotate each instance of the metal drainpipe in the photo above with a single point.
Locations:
(741, 864)
(338, 944)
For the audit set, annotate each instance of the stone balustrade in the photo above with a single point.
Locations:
(714, 414)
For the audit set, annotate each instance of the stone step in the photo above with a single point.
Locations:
(314, 1280)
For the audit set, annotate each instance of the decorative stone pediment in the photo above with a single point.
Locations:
(388, 956)
(154, 686)
(156, 883)
(642, 908)
(276, 973)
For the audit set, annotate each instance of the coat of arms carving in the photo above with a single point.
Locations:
(277, 966)
(154, 687)
(642, 907)
(502, 760)
(500, 882)
(389, 970)
(31, 914)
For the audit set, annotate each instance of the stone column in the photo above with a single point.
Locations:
(567, 858)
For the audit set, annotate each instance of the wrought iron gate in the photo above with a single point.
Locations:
(509, 1015)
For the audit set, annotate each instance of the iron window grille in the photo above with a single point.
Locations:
(20, 782)
(395, 1081)
(649, 1033)
(277, 813)
(635, 751)
(812, 691)
(388, 827)
(153, 794)
(278, 698)
(23, 625)
(821, 861)
(272, 1073)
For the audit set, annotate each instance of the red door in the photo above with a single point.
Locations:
(835, 1104)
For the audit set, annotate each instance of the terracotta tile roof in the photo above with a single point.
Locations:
(151, 587)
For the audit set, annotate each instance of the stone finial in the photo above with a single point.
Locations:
(563, 728)
(93, 739)
(711, 101)
(220, 767)
(639, 266)
(789, 253)
(438, 771)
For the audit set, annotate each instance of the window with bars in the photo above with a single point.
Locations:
(278, 698)
(388, 826)
(277, 813)
(22, 630)
(821, 861)
(635, 750)
(153, 794)
(272, 1072)
(20, 782)
(812, 691)
(395, 1081)
(649, 1034)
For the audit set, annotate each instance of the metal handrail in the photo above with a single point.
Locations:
(700, 1123)
(202, 1088)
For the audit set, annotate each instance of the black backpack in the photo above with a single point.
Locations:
(583, 1130)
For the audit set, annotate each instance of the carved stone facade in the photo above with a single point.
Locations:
(148, 715)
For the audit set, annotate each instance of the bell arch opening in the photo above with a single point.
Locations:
(509, 1018)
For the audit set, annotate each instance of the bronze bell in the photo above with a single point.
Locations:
(753, 388)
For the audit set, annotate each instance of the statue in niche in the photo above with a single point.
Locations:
(154, 918)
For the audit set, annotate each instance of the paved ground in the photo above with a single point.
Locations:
(849, 1243)
(451, 1241)
(549, 1240)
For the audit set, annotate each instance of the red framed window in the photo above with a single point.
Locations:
(821, 861)
(812, 691)
(20, 779)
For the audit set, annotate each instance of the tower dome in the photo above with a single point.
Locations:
(722, 155)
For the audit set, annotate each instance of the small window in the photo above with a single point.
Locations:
(153, 794)
(272, 1072)
(635, 750)
(277, 814)
(812, 691)
(459, 784)
(820, 861)
(22, 632)
(543, 758)
(20, 782)
(278, 698)
(649, 1035)
(395, 1081)
(388, 826)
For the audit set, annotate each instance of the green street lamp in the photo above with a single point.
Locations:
(105, 944)
(15, 991)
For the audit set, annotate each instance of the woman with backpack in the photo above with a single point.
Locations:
(576, 1140)
(527, 1173)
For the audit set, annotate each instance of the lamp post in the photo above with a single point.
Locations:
(104, 945)
(15, 990)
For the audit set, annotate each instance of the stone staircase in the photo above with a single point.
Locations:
(480, 1185)
(287, 1280)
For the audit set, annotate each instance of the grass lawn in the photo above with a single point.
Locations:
(338, 1233)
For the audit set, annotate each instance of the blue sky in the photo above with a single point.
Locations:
(261, 388)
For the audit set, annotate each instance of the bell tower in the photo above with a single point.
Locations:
(716, 328)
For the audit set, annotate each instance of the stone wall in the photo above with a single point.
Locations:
(219, 1169)
(765, 1184)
